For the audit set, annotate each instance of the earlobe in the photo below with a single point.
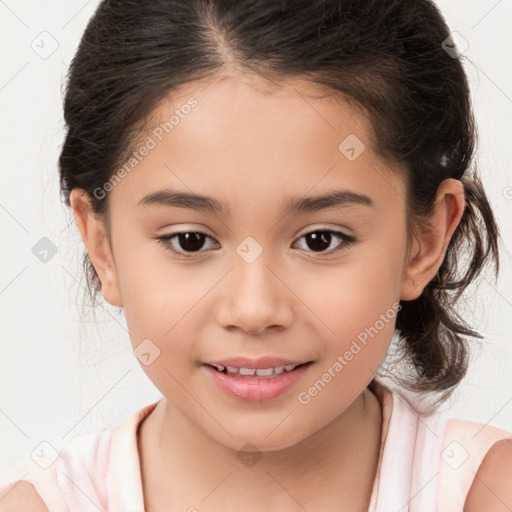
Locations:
(432, 238)
(93, 232)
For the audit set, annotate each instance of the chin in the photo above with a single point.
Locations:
(258, 440)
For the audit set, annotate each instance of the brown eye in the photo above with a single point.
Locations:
(318, 240)
(321, 239)
(185, 243)
(188, 241)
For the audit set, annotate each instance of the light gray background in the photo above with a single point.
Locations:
(62, 376)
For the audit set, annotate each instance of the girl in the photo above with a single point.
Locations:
(271, 190)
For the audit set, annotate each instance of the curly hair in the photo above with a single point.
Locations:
(386, 56)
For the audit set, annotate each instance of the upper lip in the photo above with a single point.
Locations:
(262, 362)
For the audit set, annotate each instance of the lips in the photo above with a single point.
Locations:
(256, 382)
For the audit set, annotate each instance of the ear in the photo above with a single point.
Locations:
(94, 234)
(431, 241)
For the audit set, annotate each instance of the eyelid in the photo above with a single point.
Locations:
(344, 230)
(346, 241)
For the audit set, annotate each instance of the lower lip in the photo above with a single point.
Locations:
(256, 389)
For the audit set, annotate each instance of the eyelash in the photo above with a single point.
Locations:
(347, 240)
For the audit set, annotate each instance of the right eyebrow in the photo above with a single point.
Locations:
(170, 197)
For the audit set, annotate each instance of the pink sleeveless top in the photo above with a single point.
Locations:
(426, 463)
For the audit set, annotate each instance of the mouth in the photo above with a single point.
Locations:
(258, 373)
(256, 384)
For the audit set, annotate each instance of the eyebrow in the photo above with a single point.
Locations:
(335, 198)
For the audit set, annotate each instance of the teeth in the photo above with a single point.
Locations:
(247, 371)
(260, 372)
(264, 372)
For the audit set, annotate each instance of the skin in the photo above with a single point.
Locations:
(490, 489)
(21, 496)
(254, 146)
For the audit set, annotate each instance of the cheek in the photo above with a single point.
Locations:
(156, 290)
(354, 295)
(165, 309)
(359, 310)
(357, 304)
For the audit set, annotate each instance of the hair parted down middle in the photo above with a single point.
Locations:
(385, 56)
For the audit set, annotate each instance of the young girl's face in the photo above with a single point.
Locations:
(263, 281)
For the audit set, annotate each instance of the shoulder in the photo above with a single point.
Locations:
(21, 496)
(476, 468)
(491, 490)
(35, 486)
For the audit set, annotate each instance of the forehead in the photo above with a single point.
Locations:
(245, 111)
(246, 137)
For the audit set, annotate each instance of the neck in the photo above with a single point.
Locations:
(182, 465)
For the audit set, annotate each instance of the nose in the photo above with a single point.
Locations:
(255, 298)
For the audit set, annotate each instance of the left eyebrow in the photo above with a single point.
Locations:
(330, 200)
(298, 205)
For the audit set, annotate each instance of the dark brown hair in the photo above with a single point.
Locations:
(387, 56)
